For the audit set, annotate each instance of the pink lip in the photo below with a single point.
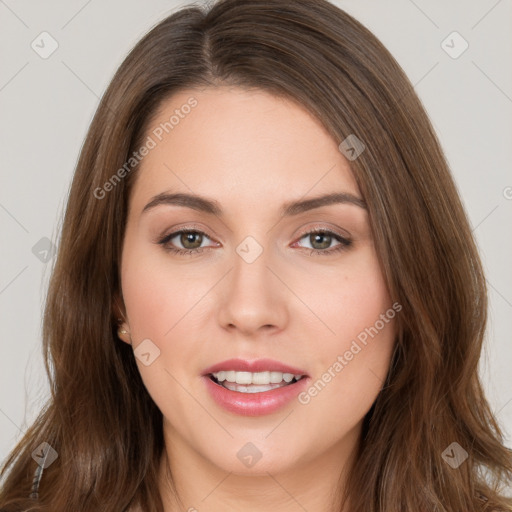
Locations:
(259, 365)
(254, 404)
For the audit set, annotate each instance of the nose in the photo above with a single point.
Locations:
(252, 298)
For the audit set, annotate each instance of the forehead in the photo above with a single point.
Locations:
(238, 145)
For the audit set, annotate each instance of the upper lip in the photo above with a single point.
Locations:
(258, 365)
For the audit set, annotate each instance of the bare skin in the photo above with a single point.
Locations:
(253, 152)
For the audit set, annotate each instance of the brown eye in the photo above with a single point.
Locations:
(190, 241)
(323, 240)
(320, 241)
(191, 237)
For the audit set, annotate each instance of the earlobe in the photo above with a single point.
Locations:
(123, 331)
(124, 334)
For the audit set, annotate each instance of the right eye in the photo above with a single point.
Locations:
(191, 241)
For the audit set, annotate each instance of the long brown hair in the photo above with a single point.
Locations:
(316, 54)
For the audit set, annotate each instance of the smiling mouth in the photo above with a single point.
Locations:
(229, 382)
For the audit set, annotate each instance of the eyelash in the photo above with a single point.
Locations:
(345, 243)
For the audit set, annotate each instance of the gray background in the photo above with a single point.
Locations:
(47, 105)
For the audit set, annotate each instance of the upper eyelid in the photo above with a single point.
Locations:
(322, 228)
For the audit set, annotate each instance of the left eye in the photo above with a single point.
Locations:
(320, 240)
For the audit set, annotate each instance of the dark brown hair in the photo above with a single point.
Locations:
(314, 53)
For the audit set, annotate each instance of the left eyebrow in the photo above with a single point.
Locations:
(297, 207)
(212, 207)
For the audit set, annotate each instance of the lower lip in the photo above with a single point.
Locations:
(254, 404)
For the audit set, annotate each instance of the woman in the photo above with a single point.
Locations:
(267, 293)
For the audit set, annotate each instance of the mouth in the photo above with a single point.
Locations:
(254, 387)
(254, 382)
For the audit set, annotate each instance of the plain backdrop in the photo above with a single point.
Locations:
(47, 104)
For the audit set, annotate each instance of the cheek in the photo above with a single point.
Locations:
(158, 295)
(342, 392)
(352, 360)
(159, 303)
(350, 299)
(345, 385)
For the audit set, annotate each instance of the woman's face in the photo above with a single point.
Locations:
(262, 285)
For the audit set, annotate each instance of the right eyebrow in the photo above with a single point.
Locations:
(192, 201)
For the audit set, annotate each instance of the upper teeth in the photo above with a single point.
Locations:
(255, 378)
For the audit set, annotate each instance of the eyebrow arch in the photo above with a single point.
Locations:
(290, 208)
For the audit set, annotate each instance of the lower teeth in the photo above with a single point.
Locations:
(253, 388)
